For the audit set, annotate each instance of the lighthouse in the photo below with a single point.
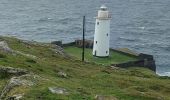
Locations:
(102, 33)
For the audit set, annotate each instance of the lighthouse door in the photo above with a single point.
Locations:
(95, 53)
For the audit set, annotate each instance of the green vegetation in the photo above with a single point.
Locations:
(85, 80)
(114, 57)
(4, 75)
(2, 83)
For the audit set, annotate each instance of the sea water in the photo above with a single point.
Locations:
(141, 25)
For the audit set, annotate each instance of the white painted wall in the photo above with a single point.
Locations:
(102, 34)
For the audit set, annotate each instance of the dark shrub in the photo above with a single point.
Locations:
(141, 89)
(155, 87)
(40, 69)
(164, 77)
(2, 56)
(31, 61)
(4, 74)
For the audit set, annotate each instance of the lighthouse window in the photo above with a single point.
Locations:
(106, 52)
(97, 23)
(96, 42)
(107, 34)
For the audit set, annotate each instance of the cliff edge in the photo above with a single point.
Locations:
(40, 71)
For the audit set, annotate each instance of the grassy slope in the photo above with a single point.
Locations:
(85, 80)
(112, 59)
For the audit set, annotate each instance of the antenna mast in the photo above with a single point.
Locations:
(83, 38)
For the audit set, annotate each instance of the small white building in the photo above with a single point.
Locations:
(102, 33)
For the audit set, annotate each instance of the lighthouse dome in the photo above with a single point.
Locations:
(103, 8)
(103, 13)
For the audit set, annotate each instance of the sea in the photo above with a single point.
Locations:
(141, 25)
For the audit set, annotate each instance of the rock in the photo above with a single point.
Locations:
(57, 90)
(16, 97)
(14, 81)
(59, 50)
(23, 80)
(13, 71)
(62, 74)
(100, 97)
(17, 81)
(32, 42)
(59, 43)
(4, 46)
(27, 55)
(114, 67)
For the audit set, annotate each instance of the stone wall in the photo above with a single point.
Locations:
(88, 43)
(59, 43)
(150, 64)
(145, 60)
(68, 44)
(125, 53)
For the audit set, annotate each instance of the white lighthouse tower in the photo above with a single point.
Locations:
(102, 33)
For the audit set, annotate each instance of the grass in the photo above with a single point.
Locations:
(114, 57)
(2, 83)
(85, 80)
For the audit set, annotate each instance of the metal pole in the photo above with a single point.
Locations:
(83, 38)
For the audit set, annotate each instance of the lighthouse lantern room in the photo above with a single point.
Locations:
(102, 33)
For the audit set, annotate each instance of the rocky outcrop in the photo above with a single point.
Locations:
(62, 74)
(101, 97)
(59, 43)
(16, 79)
(27, 55)
(13, 71)
(16, 97)
(59, 50)
(31, 43)
(19, 77)
(57, 90)
(4, 47)
(23, 80)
